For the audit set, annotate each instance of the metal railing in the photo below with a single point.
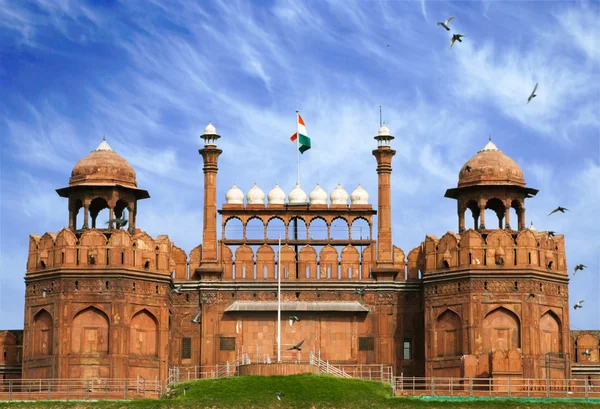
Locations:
(79, 389)
(179, 374)
(498, 387)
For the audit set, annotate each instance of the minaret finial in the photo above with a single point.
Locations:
(104, 137)
(490, 138)
(380, 117)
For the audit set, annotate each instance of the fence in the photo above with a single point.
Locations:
(500, 387)
(79, 389)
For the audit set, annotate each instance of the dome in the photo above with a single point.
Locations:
(234, 195)
(339, 196)
(255, 195)
(384, 131)
(103, 166)
(318, 196)
(359, 196)
(210, 129)
(532, 228)
(490, 166)
(297, 196)
(276, 195)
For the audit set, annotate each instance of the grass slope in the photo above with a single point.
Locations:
(301, 391)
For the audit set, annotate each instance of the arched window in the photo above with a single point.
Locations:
(448, 334)
(501, 330)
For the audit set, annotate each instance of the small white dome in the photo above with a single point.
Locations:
(359, 196)
(255, 195)
(339, 195)
(234, 195)
(318, 195)
(276, 195)
(104, 146)
(210, 129)
(533, 229)
(490, 146)
(297, 195)
(384, 131)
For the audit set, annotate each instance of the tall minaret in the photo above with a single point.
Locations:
(384, 269)
(209, 268)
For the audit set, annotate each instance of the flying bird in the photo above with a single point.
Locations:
(559, 209)
(532, 96)
(445, 23)
(177, 289)
(44, 292)
(455, 37)
(578, 305)
(279, 395)
(297, 346)
(118, 222)
(387, 45)
(578, 267)
(587, 352)
(532, 295)
(551, 233)
(196, 319)
(293, 319)
(468, 168)
(360, 291)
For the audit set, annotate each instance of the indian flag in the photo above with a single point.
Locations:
(300, 137)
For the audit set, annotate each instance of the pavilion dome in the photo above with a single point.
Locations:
(318, 196)
(276, 195)
(297, 196)
(359, 196)
(255, 195)
(384, 131)
(210, 129)
(103, 166)
(234, 195)
(490, 166)
(339, 195)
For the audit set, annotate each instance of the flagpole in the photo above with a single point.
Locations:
(279, 301)
(298, 146)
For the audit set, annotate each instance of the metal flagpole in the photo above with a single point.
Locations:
(279, 301)
(298, 146)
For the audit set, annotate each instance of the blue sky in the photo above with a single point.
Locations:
(150, 75)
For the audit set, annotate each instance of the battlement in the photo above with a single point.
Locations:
(104, 249)
(490, 249)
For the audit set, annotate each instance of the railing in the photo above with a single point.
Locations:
(78, 389)
(179, 374)
(325, 367)
(499, 387)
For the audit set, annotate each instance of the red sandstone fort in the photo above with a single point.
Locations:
(108, 302)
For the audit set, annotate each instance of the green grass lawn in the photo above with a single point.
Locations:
(301, 391)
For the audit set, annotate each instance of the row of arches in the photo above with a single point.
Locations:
(297, 228)
(98, 213)
(586, 348)
(485, 212)
(90, 331)
(501, 330)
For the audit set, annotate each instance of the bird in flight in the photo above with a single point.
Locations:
(578, 305)
(118, 222)
(559, 209)
(196, 319)
(387, 45)
(587, 352)
(293, 319)
(297, 346)
(532, 96)
(455, 37)
(177, 289)
(468, 168)
(551, 233)
(578, 267)
(360, 291)
(279, 395)
(532, 295)
(445, 23)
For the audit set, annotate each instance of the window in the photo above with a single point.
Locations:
(407, 348)
(186, 348)
(227, 344)
(366, 344)
(349, 272)
(265, 272)
(286, 272)
(243, 271)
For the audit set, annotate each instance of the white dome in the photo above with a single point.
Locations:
(384, 131)
(297, 195)
(339, 195)
(318, 195)
(234, 195)
(255, 195)
(276, 195)
(210, 129)
(533, 229)
(359, 196)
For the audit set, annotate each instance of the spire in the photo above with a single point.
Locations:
(104, 146)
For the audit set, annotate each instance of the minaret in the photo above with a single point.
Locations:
(384, 269)
(209, 268)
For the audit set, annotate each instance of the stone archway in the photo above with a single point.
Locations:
(501, 330)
